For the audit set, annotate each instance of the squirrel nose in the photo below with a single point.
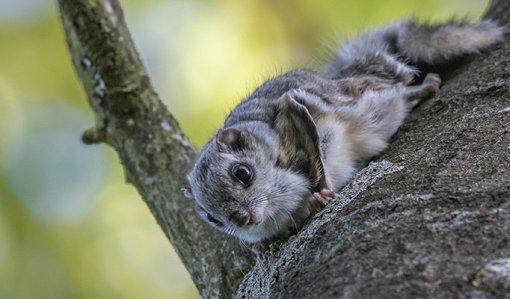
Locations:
(240, 218)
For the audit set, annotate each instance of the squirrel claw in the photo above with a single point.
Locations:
(327, 194)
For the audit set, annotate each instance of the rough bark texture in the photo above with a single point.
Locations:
(429, 218)
(156, 155)
(436, 225)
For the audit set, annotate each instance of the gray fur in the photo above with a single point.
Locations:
(303, 134)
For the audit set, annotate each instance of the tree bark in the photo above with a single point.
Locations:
(429, 218)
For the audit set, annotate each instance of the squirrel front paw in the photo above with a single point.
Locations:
(319, 200)
(260, 248)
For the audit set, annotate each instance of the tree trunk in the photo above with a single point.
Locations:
(429, 218)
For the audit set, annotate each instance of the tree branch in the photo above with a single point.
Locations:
(155, 153)
(499, 10)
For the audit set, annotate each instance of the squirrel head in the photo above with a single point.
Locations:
(253, 180)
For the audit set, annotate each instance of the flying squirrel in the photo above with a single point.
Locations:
(287, 148)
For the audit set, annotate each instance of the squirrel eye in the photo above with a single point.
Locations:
(213, 220)
(243, 173)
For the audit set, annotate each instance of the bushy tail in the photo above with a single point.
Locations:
(392, 52)
(436, 44)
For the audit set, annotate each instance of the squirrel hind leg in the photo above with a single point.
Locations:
(427, 89)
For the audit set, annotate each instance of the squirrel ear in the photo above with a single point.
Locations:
(231, 139)
(188, 193)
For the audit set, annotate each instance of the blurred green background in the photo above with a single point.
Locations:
(69, 225)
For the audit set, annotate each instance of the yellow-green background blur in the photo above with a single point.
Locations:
(69, 225)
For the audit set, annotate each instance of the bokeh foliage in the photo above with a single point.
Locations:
(69, 225)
